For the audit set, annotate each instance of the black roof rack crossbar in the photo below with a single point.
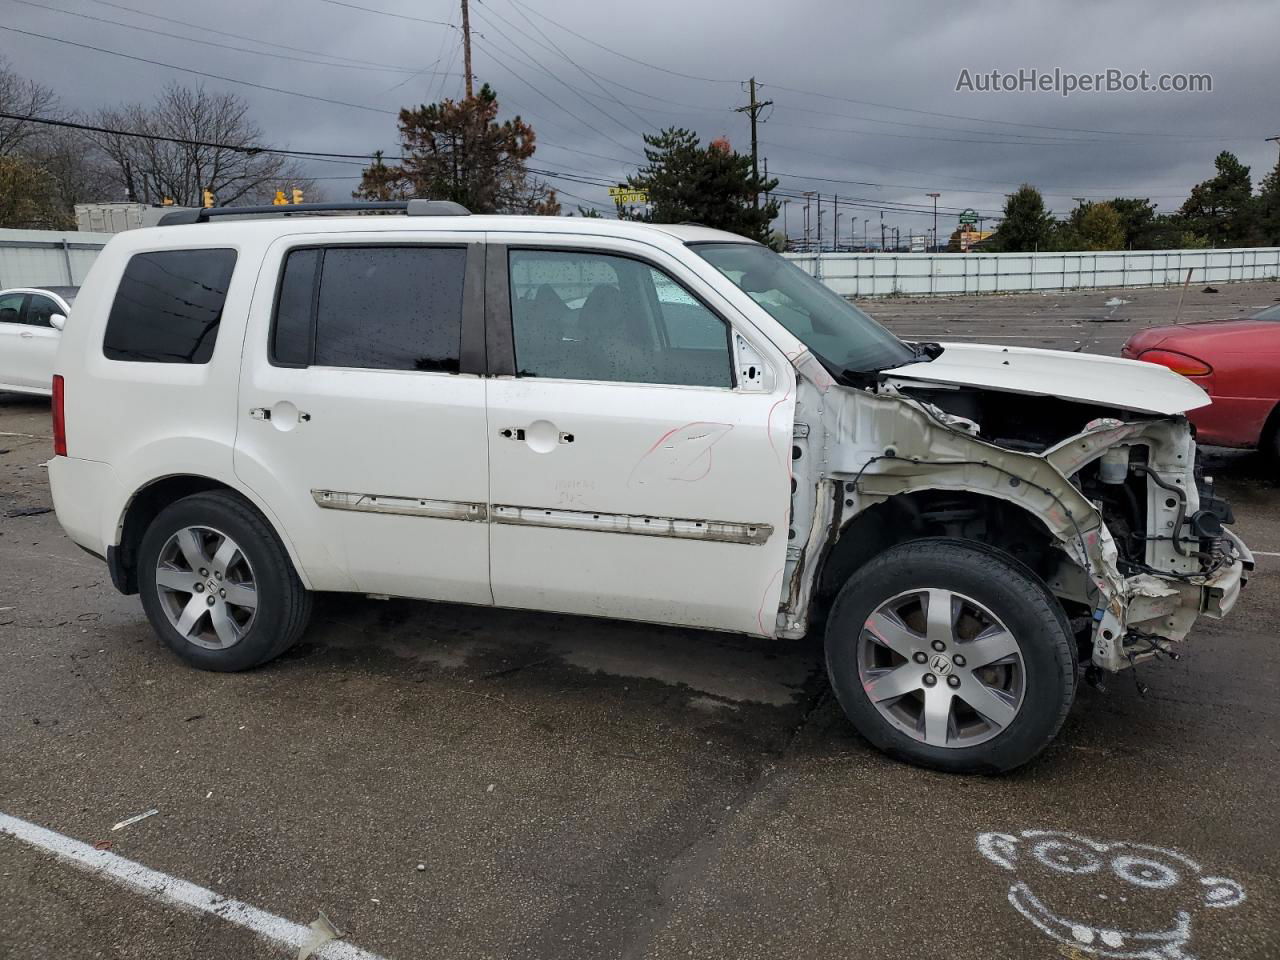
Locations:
(413, 208)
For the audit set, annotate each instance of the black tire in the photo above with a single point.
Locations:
(1006, 588)
(1269, 442)
(283, 603)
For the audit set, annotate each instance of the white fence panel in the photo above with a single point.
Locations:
(951, 274)
(47, 258)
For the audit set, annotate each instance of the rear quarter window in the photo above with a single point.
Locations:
(168, 306)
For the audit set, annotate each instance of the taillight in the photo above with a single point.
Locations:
(59, 421)
(1177, 362)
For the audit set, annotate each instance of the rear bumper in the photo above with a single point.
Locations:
(81, 490)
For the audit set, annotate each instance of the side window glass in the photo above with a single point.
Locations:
(39, 310)
(389, 308)
(291, 332)
(687, 323)
(592, 316)
(11, 307)
(168, 306)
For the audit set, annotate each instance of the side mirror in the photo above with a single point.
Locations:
(57, 321)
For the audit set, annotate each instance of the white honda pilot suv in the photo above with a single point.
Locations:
(659, 423)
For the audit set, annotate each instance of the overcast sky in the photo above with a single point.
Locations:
(890, 129)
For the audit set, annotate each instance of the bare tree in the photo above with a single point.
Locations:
(218, 152)
(24, 98)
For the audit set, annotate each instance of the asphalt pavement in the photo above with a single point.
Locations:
(443, 781)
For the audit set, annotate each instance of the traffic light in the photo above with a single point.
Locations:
(279, 201)
(297, 195)
(209, 200)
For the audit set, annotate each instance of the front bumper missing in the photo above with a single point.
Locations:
(1152, 612)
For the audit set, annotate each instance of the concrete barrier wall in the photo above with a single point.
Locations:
(47, 258)
(952, 274)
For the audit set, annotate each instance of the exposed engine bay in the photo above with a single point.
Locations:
(1096, 489)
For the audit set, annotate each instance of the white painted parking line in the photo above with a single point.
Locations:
(174, 892)
(1263, 553)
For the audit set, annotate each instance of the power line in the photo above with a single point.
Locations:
(187, 141)
(209, 43)
(386, 13)
(236, 36)
(506, 66)
(581, 69)
(957, 116)
(619, 53)
(200, 73)
(533, 63)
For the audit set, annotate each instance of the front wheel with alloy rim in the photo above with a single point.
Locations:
(951, 655)
(217, 584)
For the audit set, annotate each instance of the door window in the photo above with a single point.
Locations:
(40, 309)
(593, 316)
(378, 308)
(11, 307)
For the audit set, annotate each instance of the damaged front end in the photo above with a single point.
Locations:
(1097, 491)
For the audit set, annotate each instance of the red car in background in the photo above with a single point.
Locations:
(1237, 362)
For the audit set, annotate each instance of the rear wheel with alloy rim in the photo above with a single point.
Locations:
(218, 585)
(951, 655)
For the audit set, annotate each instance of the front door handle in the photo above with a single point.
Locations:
(542, 435)
(26, 334)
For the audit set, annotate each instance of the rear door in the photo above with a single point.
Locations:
(362, 411)
(635, 471)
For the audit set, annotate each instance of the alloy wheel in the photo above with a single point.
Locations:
(206, 587)
(941, 668)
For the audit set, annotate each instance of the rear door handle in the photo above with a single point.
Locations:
(264, 413)
(26, 334)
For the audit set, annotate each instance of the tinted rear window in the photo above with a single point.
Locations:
(390, 308)
(376, 308)
(168, 306)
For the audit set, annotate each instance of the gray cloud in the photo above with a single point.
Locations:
(905, 55)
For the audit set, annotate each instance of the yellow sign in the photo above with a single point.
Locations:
(625, 196)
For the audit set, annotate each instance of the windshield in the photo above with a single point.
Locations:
(838, 333)
(1271, 313)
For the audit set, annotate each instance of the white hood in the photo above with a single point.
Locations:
(1107, 381)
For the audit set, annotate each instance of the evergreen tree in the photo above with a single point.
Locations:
(1026, 225)
(711, 185)
(1221, 208)
(457, 150)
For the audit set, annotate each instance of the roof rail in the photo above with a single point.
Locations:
(413, 208)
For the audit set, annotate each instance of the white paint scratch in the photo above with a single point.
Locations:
(173, 891)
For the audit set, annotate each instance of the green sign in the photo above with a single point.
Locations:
(969, 216)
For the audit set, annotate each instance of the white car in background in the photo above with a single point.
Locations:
(31, 321)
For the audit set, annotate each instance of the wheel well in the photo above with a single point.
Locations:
(145, 507)
(962, 515)
(1270, 436)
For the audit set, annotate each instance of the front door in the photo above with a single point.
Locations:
(630, 474)
(43, 340)
(362, 412)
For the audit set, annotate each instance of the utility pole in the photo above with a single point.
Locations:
(835, 229)
(752, 110)
(785, 235)
(882, 231)
(1275, 140)
(466, 46)
(935, 217)
(865, 243)
(819, 201)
